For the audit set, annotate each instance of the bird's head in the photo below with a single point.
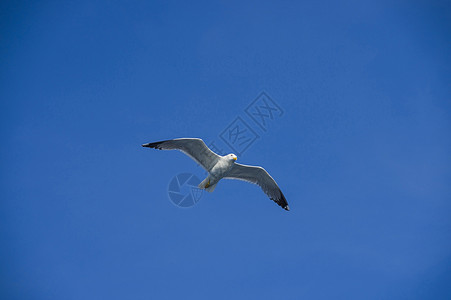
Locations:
(232, 156)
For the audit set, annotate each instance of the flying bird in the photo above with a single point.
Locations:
(219, 167)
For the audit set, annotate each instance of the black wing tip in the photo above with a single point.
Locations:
(283, 202)
(155, 145)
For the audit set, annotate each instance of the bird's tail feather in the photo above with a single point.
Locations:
(205, 184)
(211, 188)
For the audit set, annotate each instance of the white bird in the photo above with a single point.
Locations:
(219, 167)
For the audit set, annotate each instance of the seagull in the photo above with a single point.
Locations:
(219, 167)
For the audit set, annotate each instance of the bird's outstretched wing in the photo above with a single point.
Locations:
(194, 148)
(259, 176)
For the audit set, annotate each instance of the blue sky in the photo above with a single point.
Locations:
(361, 152)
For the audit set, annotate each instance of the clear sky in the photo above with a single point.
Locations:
(361, 151)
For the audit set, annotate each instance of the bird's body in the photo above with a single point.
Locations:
(219, 171)
(219, 167)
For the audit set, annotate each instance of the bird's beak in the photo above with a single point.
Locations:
(235, 158)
